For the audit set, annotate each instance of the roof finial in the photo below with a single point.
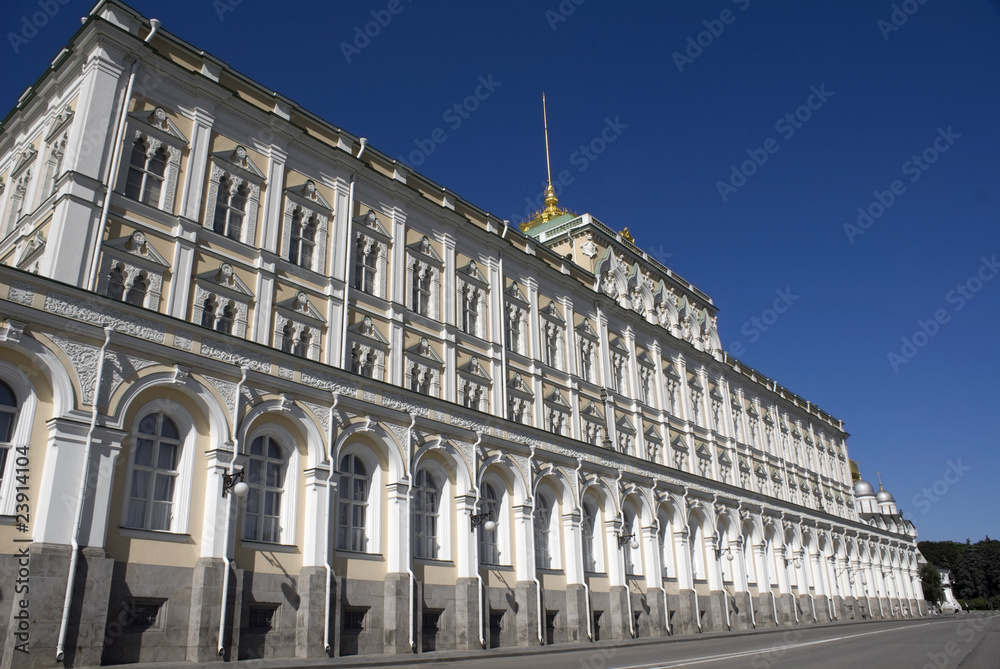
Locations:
(551, 209)
(879, 475)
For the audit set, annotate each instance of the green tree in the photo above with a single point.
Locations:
(930, 579)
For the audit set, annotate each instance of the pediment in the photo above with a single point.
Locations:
(702, 451)
(225, 280)
(678, 443)
(592, 411)
(551, 312)
(371, 221)
(514, 291)
(652, 434)
(517, 385)
(618, 345)
(475, 369)
(724, 459)
(25, 158)
(586, 330)
(137, 246)
(423, 248)
(471, 271)
(366, 328)
(670, 372)
(308, 195)
(623, 423)
(423, 349)
(301, 306)
(644, 359)
(556, 397)
(240, 162)
(59, 121)
(160, 124)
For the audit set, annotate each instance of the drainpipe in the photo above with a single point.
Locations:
(479, 576)
(81, 499)
(154, 25)
(229, 511)
(621, 549)
(697, 607)
(503, 333)
(743, 549)
(347, 267)
(534, 573)
(583, 574)
(408, 542)
(328, 557)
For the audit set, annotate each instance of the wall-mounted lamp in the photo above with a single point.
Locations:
(727, 551)
(794, 562)
(626, 538)
(234, 482)
(484, 519)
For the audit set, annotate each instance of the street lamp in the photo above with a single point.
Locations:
(626, 538)
(795, 562)
(484, 519)
(727, 551)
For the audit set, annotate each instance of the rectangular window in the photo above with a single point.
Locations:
(145, 614)
(261, 617)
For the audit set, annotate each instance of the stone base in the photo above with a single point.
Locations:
(577, 613)
(913, 607)
(48, 567)
(806, 606)
(526, 596)
(683, 617)
(467, 616)
(822, 607)
(922, 603)
(714, 607)
(739, 611)
(873, 608)
(851, 610)
(886, 607)
(396, 615)
(619, 627)
(651, 616)
(311, 613)
(786, 610)
(765, 610)
(839, 608)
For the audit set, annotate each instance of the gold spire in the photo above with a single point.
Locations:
(551, 203)
(879, 475)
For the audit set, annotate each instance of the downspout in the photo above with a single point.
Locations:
(408, 542)
(583, 574)
(503, 332)
(725, 592)
(347, 268)
(229, 511)
(534, 571)
(743, 545)
(621, 549)
(328, 557)
(81, 499)
(154, 25)
(697, 606)
(479, 576)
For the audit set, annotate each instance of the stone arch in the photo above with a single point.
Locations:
(59, 376)
(313, 440)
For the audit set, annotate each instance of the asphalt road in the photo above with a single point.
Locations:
(969, 641)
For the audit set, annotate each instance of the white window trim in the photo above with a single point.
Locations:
(445, 515)
(311, 204)
(373, 529)
(634, 555)
(222, 167)
(504, 546)
(555, 518)
(598, 533)
(154, 138)
(27, 401)
(289, 494)
(136, 257)
(180, 518)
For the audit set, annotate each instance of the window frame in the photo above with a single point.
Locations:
(24, 415)
(180, 518)
(443, 527)
(373, 520)
(289, 494)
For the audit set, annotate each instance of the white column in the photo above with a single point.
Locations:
(466, 558)
(398, 530)
(319, 514)
(573, 539)
(524, 543)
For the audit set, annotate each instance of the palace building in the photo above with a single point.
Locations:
(266, 392)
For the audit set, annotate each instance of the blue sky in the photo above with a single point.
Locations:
(865, 98)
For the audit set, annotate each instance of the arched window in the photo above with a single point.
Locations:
(137, 292)
(301, 346)
(352, 516)
(422, 290)
(266, 478)
(542, 522)
(426, 513)
(303, 239)
(470, 310)
(208, 312)
(8, 420)
(695, 549)
(145, 173)
(230, 208)
(116, 284)
(665, 544)
(366, 266)
(287, 337)
(225, 321)
(587, 524)
(489, 546)
(156, 453)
